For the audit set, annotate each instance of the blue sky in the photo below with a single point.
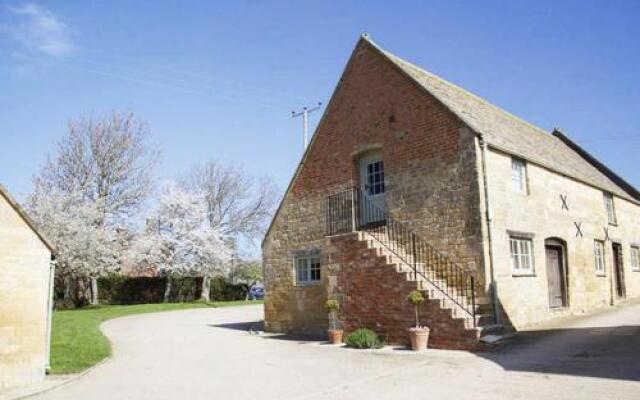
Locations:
(218, 80)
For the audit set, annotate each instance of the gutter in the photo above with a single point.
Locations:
(485, 182)
(52, 274)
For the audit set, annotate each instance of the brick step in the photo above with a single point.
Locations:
(482, 316)
(458, 313)
(494, 329)
(483, 300)
(484, 319)
(437, 288)
(458, 305)
(484, 308)
(441, 284)
(398, 253)
(449, 299)
(406, 265)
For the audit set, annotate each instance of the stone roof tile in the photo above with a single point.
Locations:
(506, 132)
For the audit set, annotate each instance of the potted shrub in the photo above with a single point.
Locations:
(335, 333)
(419, 334)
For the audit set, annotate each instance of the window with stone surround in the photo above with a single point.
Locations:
(307, 269)
(519, 175)
(635, 258)
(598, 251)
(610, 208)
(521, 255)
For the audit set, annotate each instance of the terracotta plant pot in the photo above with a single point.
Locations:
(419, 338)
(335, 336)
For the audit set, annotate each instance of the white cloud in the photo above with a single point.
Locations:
(38, 30)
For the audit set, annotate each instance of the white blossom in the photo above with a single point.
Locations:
(84, 247)
(179, 240)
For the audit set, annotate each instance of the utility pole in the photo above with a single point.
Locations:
(305, 120)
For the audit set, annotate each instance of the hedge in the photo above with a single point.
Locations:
(122, 290)
(222, 290)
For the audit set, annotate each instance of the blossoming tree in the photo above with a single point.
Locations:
(180, 241)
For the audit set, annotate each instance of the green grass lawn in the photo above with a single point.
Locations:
(76, 340)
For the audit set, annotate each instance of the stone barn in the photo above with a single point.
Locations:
(26, 285)
(411, 182)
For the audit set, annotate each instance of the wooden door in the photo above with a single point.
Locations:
(555, 276)
(372, 188)
(618, 270)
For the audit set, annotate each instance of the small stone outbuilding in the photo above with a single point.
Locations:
(26, 285)
(411, 182)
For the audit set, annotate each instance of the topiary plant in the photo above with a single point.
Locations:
(416, 299)
(332, 306)
(363, 338)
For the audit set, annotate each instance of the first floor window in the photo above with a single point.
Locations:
(519, 175)
(307, 269)
(635, 258)
(610, 209)
(521, 255)
(599, 257)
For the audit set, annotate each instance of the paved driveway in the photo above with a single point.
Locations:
(209, 354)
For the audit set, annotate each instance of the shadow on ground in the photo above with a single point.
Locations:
(248, 326)
(255, 326)
(599, 352)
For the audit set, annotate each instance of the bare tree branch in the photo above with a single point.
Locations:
(109, 161)
(238, 204)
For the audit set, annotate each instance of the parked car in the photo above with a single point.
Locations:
(256, 292)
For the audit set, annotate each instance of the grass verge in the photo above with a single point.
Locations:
(77, 342)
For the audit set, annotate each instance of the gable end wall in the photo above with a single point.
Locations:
(430, 173)
(24, 290)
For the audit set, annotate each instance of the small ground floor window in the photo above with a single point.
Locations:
(307, 269)
(521, 256)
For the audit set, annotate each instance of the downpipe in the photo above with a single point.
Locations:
(52, 274)
(494, 288)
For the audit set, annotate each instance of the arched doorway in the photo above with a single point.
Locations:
(557, 272)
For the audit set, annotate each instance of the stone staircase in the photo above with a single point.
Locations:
(379, 260)
(476, 314)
